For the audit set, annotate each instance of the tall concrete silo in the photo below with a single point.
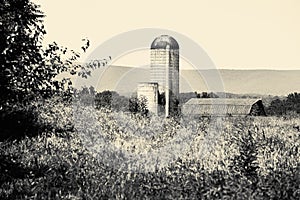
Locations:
(165, 68)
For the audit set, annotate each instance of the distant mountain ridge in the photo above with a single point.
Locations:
(259, 82)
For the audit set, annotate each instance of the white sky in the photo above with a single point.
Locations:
(236, 34)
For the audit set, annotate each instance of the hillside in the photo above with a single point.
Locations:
(260, 82)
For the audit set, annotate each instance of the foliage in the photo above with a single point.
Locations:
(184, 97)
(206, 95)
(241, 158)
(111, 100)
(103, 100)
(28, 71)
(138, 106)
(54, 115)
(86, 95)
(120, 103)
(293, 102)
(286, 106)
(21, 34)
(18, 122)
(245, 163)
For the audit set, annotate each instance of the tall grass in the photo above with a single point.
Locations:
(116, 155)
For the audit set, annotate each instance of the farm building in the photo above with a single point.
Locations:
(220, 106)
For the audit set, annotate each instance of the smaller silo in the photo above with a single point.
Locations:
(150, 92)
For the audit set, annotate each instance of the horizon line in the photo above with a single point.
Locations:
(246, 69)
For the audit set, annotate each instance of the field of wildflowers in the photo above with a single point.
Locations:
(101, 154)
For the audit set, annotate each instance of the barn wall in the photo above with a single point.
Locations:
(257, 109)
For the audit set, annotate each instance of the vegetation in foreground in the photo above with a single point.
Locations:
(229, 158)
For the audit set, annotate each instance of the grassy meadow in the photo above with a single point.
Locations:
(116, 155)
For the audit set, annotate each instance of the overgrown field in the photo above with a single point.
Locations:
(116, 155)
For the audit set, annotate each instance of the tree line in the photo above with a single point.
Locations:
(112, 100)
(87, 96)
(287, 106)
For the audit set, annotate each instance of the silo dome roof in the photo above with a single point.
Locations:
(163, 41)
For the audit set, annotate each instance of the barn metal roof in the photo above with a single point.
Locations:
(218, 106)
(222, 101)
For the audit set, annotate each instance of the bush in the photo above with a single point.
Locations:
(17, 122)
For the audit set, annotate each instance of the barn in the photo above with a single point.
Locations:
(223, 107)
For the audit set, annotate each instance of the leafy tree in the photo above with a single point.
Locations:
(28, 71)
(119, 103)
(21, 63)
(138, 105)
(283, 107)
(293, 102)
(206, 95)
(133, 105)
(277, 107)
(21, 56)
(87, 95)
(142, 106)
(111, 100)
(103, 99)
